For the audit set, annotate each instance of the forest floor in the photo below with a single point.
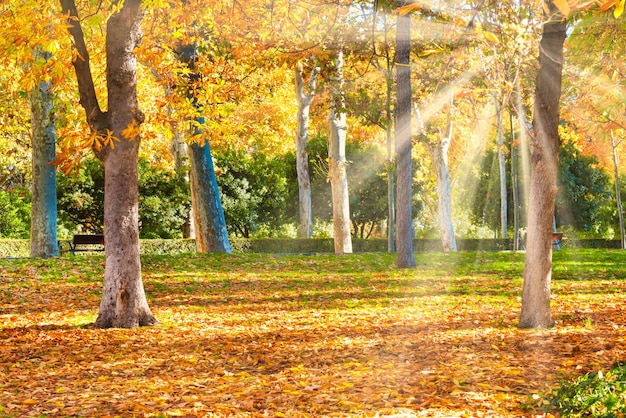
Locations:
(315, 335)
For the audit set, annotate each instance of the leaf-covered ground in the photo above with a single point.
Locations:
(321, 335)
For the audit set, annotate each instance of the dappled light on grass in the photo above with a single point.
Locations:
(295, 335)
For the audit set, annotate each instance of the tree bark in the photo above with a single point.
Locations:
(618, 194)
(439, 153)
(502, 167)
(515, 188)
(304, 99)
(181, 164)
(210, 224)
(337, 164)
(123, 301)
(404, 182)
(43, 227)
(535, 311)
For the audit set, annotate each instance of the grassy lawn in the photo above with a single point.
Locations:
(269, 335)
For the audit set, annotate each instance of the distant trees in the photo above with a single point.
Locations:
(254, 191)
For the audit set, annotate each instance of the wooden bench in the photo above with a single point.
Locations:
(85, 242)
(556, 240)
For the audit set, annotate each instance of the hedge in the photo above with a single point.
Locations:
(14, 248)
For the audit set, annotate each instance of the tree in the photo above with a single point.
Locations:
(43, 224)
(618, 196)
(535, 311)
(208, 214)
(304, 97)
(439, 151)
(253, 190)
(337, 163)
(404, 213)
(116, 144)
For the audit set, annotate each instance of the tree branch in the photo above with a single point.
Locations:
(88, 99)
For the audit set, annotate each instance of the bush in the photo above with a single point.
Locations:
(15, 213)
(597, 395)
(253, 189)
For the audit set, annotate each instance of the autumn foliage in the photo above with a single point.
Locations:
(263, 335)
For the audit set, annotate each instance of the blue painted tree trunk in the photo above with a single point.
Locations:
(210, 224)
(43, 228)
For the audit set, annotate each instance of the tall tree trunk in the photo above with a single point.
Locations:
(210, 224)
(502, 166)
(391, 196)
(181, 165)
(43, 227)
(337, 164)
(515, 188)
(439, 153)
(304, 99)
(404, 195)
(535, 311)
(618, 194)
(123, 301)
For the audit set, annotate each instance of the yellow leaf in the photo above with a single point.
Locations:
(563, 7)
(52, 46)
(30, 402)
(619, 9)
(428, 52)
(491, 37)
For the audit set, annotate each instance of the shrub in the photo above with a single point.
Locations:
(597, 394)
(15, 213)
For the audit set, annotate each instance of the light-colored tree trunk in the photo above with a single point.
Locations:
(515, 188)
(439, 154)
(502, 167)
(43, 226)
(535, 311)
(304, 97)
(404, 185)
(181, 164)
(618, 194)
(337, 163)
(123, 302)
(391, 195)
